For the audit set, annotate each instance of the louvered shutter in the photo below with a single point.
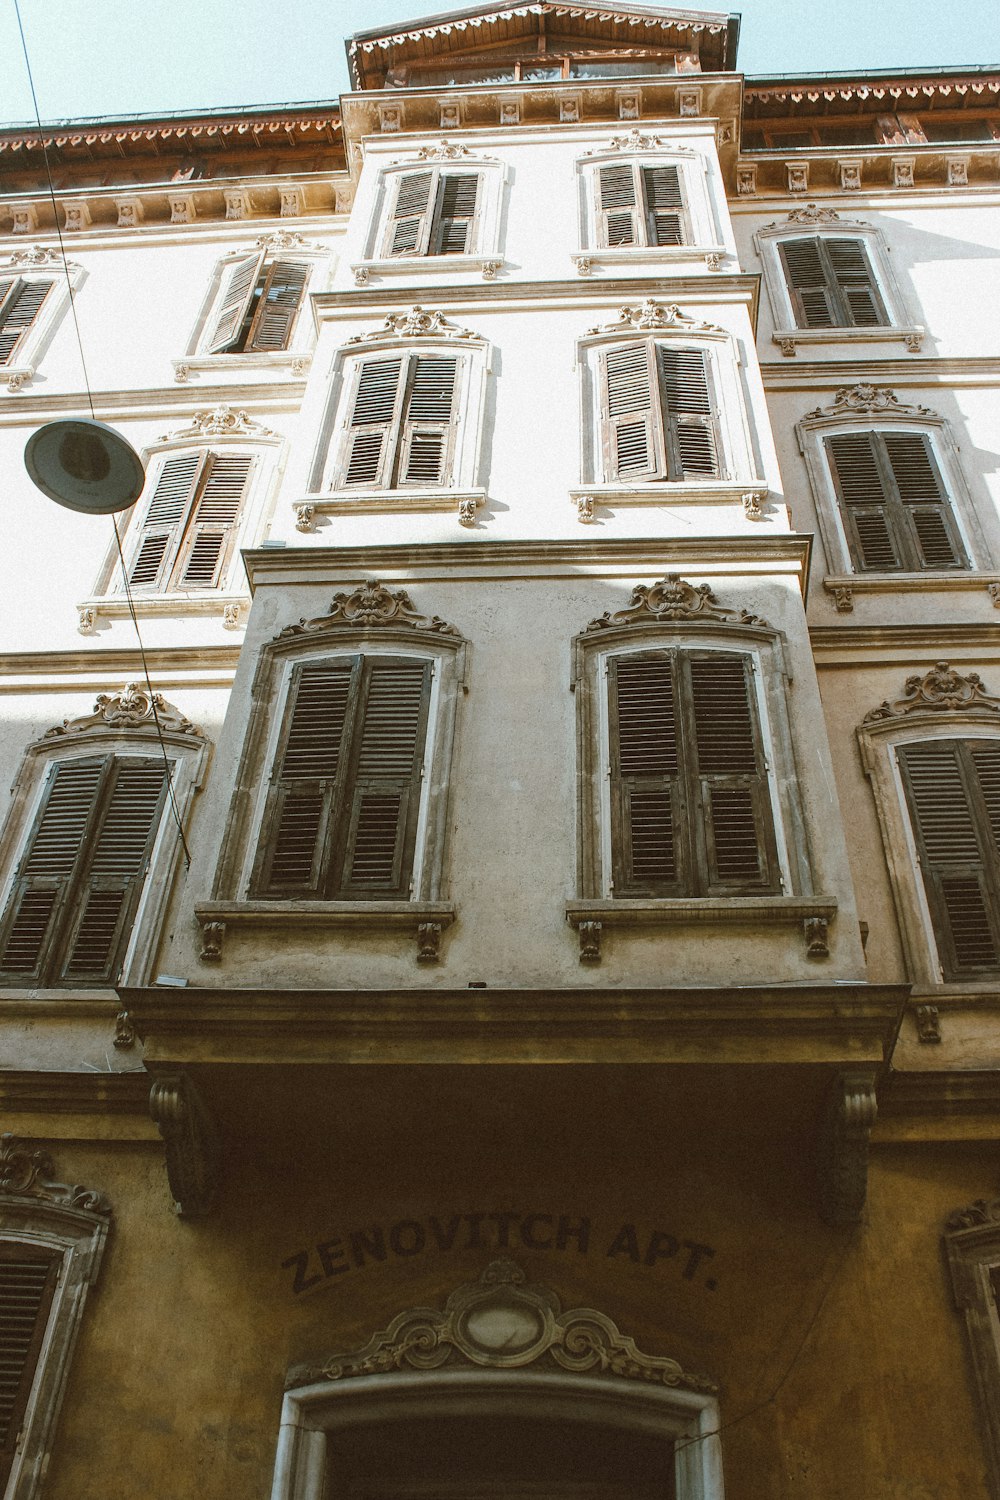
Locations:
(117, 856)
(159, 534)
(428, 427)
(953, 790)
(20, 304)
(455, 213)
(28, 1276)
(664, 205)
(384, 791)
(238, 283)
(373, 423)
(925, 506)
(630, 425)
(281, 298)
(852, 272)
(895, 509)
(616, 190)
(209, 534)
(44, 882)
(647, 804)
(411, 214)
(727, 762)
(307, 778)
(688, 413)
(813, 299)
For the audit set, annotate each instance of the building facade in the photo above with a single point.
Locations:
(498, 990)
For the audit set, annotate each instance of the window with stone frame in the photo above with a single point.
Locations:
(433, 212)
(258, 301)
(36, 285)
(185, 530)
(832, 283)
(660, 416)
(401, 430)
(21, 302)
(441, 207)
(894, 502)
(641, 204)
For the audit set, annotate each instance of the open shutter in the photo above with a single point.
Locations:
(647, 813)
(280, 300)
(238, 282)
(664, 205)
(109, 886)
(865, 502)
(455, 213)
(44, 881)
(28, 1276)
(305, 783)
(428, 427)
(411, 214)
(630, 426)
(688, 413)
(384, 791)
(160, 531)
(737, 827)
(373, 424)
(953, 789)
(926, 510)
(20, 303)
(617, 205)
(855, 281)
(210, 532)
(812, 296)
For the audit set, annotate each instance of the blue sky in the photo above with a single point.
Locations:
(113, 57)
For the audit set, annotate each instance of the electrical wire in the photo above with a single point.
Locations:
(90, 401)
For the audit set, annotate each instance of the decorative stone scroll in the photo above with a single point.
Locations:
(132, 708)
(371, 605)
(843, 1147)
(34, 255)
(808, 215)
(866, 398)
(449, 151)
(636, 141)
(941, 690)
(192, 1144)
(26, 1172)
(220, 421)
(653, 315)
(673, 598)
(417, 323)
(975, 1215)
(285, 239)
(502, 1322)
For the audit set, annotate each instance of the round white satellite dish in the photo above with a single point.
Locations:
(85, 465)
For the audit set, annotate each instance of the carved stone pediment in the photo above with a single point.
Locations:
(808, 216)
(653, 315)
(636, 141)
(371, 605)
(26, 1172)
(449, 151)
(501, 1322)
(285, 239)
(673, 598)
(417, 323)
(220, 421)
(35, 255)
(132, 708)
(868, 399)
(941, 690)
(974, 1215)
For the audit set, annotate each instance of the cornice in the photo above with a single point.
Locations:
(171, 666)
(29, 1091)
(717, 287)
(916, 644)
(910, 371)
(944, 168)
(811, 89)
(270, 399)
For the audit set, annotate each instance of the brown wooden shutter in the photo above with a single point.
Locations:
(428, 426)
(688, 413)
(735, 832)
(895, 508)
(649, 856)
(159, 533)
(664, 205)
(238, 283)
(630, 429)
(953, 791)
(865, 502)
(616, 187)
(116, 860)
(925, 506)
(813, 299)
(455, 213)
(210, 533)
(855, 280)
(307, 778)
(20, 304)
(384, 790)
(280, 300)
(374, 421)
(410, 214)
(28, 1277)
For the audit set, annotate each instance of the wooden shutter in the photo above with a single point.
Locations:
(28, 1276)
(664, 205)
(853, 275)
(895, 508)
(953, 791)
(428, 426)
(616, 191)
(20, 304)
(302, 799)
(384, 792)
(630, 428)
(373, 423)
(159, 534)
(411, 213)
(115, 868)
(813, 299)
(734, 838)
(238, 283)
(926, 509)
(647, 805)
(280, 300)
(210, 532)
(455, 212)
(688, 413)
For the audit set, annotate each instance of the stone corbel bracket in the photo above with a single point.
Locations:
(191, 1141)
(842, 1146)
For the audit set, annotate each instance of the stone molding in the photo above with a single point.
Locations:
(941, 690)
(864, 399)
(672, 599)
(415, 324)
(219, 421)
(26, 1172)
(191, 1141)
(131, 708)
(842, 1151)
(450, 151)
(652, 316)
(369, 606)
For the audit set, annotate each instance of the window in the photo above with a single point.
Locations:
(441, 210)
(832, 283)
(342, 810)
(652, 203)
(660, 415)
(641, 205)
(894, 502)
(188, 527)
(434, 213)
(257, 305)
(35, 285)
(401, 427)
(20, 305)
(28, 1276)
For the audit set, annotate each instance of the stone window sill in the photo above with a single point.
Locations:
(613, 257)
(813, 914)
(15, 377)
(750, 493)
(843, 586)
(787, 338)
(464, 502)
(296, 363)
(424, 920)
(405, 265)
(233, 608)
